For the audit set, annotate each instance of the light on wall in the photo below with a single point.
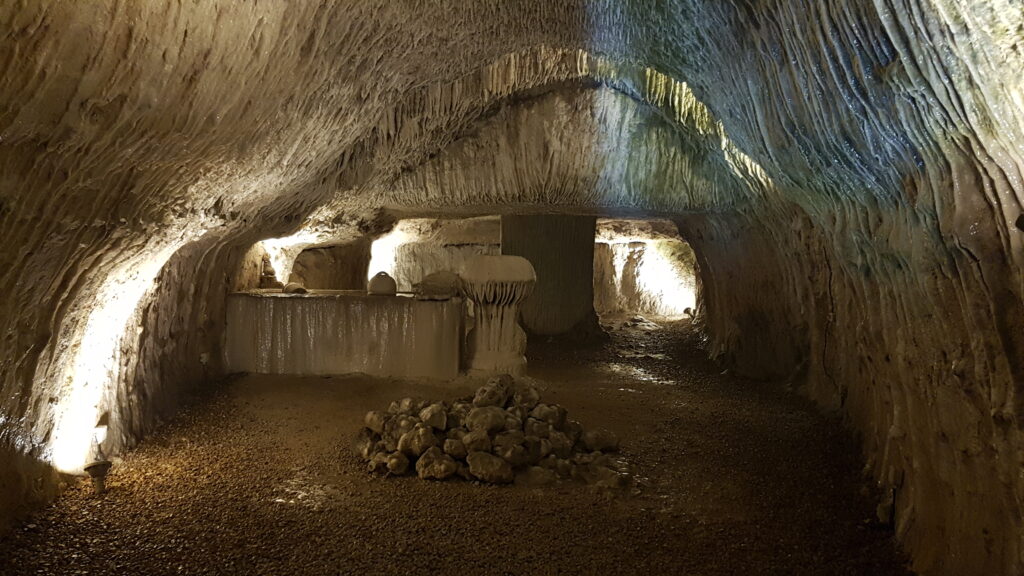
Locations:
(283, 252)
(98, 356)
(661, 277)
(649, 275)
(384, 250)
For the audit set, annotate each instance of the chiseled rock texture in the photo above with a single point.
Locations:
(423, 246)
(848, 173)
(643, 267)
(340, 267)
(563, 299)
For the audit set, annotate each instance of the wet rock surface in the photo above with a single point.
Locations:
(733, 477)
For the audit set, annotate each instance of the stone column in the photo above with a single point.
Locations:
(496, 285)
(561, 249)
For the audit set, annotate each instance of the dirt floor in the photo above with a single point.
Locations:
(736, 477)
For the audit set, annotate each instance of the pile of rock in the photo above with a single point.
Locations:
(503, 433)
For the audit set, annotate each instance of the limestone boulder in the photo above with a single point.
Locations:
(455, 448)
(435, 416)
(397, 463)
(534, 449)
(572, 429)
(538, 428)
(397, 427)
(600, 439)
(489, 468)
(488, 418)
(508, 439)
(516, 455)
(435, 465)
(377, 463)
(408, 406)
(478, 441)
(536, 476)
(494, 393)
(375, 420)
(365, 443)
(417, 441)
(513, 424)
(561, 445)
(526, 395)
(553, 414)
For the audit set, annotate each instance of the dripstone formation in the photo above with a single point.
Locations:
(503, 433)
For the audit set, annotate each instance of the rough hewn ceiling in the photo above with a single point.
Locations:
(861, 160)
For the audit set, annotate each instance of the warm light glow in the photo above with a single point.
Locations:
(283, 252)
(100, 434)
(98, 357)
(661, 279)
(666, 283)
(384, 250)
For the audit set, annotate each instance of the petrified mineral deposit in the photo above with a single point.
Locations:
(496, 285)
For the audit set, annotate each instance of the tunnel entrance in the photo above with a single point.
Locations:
(643, 267)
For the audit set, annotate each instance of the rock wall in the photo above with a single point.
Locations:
(858, 163)
(561, 249)
(874, 332)
(416, 260)
(418, 247)
(643, 267)
(341, 267)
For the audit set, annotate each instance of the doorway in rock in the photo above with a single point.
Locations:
(644, 272)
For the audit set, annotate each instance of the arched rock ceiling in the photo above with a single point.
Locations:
(134, 134)
(223, 111)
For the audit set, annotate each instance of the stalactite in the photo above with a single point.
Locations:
(497, 285)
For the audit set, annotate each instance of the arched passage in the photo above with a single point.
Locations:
(869, 185)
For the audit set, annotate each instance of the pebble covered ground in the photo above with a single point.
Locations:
(735, 477)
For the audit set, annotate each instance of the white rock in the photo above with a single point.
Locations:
(375, 420)
(417, 441)
(397, 463)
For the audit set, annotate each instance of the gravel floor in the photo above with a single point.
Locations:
(738, 478)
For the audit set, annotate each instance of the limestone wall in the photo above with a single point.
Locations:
(849, 175)
(341, 267)
(643, 267)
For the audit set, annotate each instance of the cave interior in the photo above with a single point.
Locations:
(770, 253)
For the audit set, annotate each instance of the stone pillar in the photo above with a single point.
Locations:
(561, 249)
(496, 285)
